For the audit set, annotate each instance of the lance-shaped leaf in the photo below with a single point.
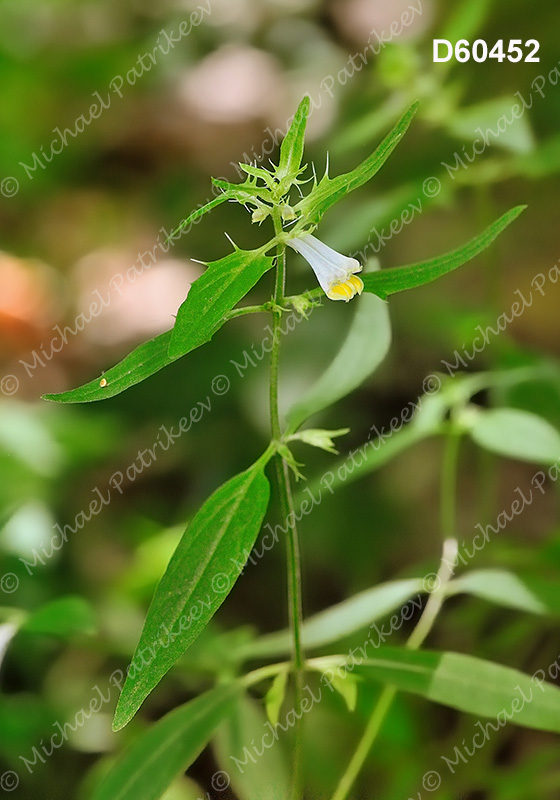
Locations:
(364, 348)
(291, 149)
(329, 190)
(195, 215)
(205, 313)
(224, 283)
(143, 361)
(341, 620)
(515, 433)
(468, 684)
(465, 20)
(534, 594)
(200, 575)
(373, 454)
(167, 748)
(396, 279)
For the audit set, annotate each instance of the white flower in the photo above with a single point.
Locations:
(334, 271)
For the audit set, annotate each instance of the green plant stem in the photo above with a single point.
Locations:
(287, 511)
(239, 312)
(263, 673)
(381, 709)
(370, 734)
(448, 485)
(428, 616)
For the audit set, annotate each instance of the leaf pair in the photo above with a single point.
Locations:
(485, 689)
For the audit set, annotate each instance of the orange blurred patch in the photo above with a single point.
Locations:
(29, 302)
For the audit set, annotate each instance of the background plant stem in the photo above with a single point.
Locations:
(428, 616)
(288, 515)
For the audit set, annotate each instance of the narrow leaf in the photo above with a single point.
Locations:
(208, 305)
(167, 748)
(264, 773)
(465, 123)
(200, 575)
(291, 149)
(396, 279)
(224, 283)
(198, 213)
(515, 433)
(330, 190)
(469, 684)
(466, 20)
(526, 593)
(141, 363)
(275, 696)
(377, 451)
(340, 620)
(364, 348)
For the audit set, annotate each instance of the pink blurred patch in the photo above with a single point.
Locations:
(138, 306)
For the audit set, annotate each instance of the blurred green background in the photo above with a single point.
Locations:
(77, 214)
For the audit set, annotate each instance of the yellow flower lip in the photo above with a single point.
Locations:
(334, 271)
(346, 290)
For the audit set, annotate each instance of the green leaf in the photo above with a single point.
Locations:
(200, 575)
(275, 696)
(366, 345)
(291, 149)
(67, 616)
(167, 748)
(224, 283)
(514, 433)
(467, 123)
(347, 687)
(199, 317)
(468, 684)
(141, 363)
(396, 279)
(259, 776)
(340, 620)
(199, 212)
(465, 21)
(330, 190)
(374, 453)
(526, 593)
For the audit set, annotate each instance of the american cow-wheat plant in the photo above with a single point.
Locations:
(219, 539)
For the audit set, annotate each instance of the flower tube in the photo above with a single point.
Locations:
(334, 271)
